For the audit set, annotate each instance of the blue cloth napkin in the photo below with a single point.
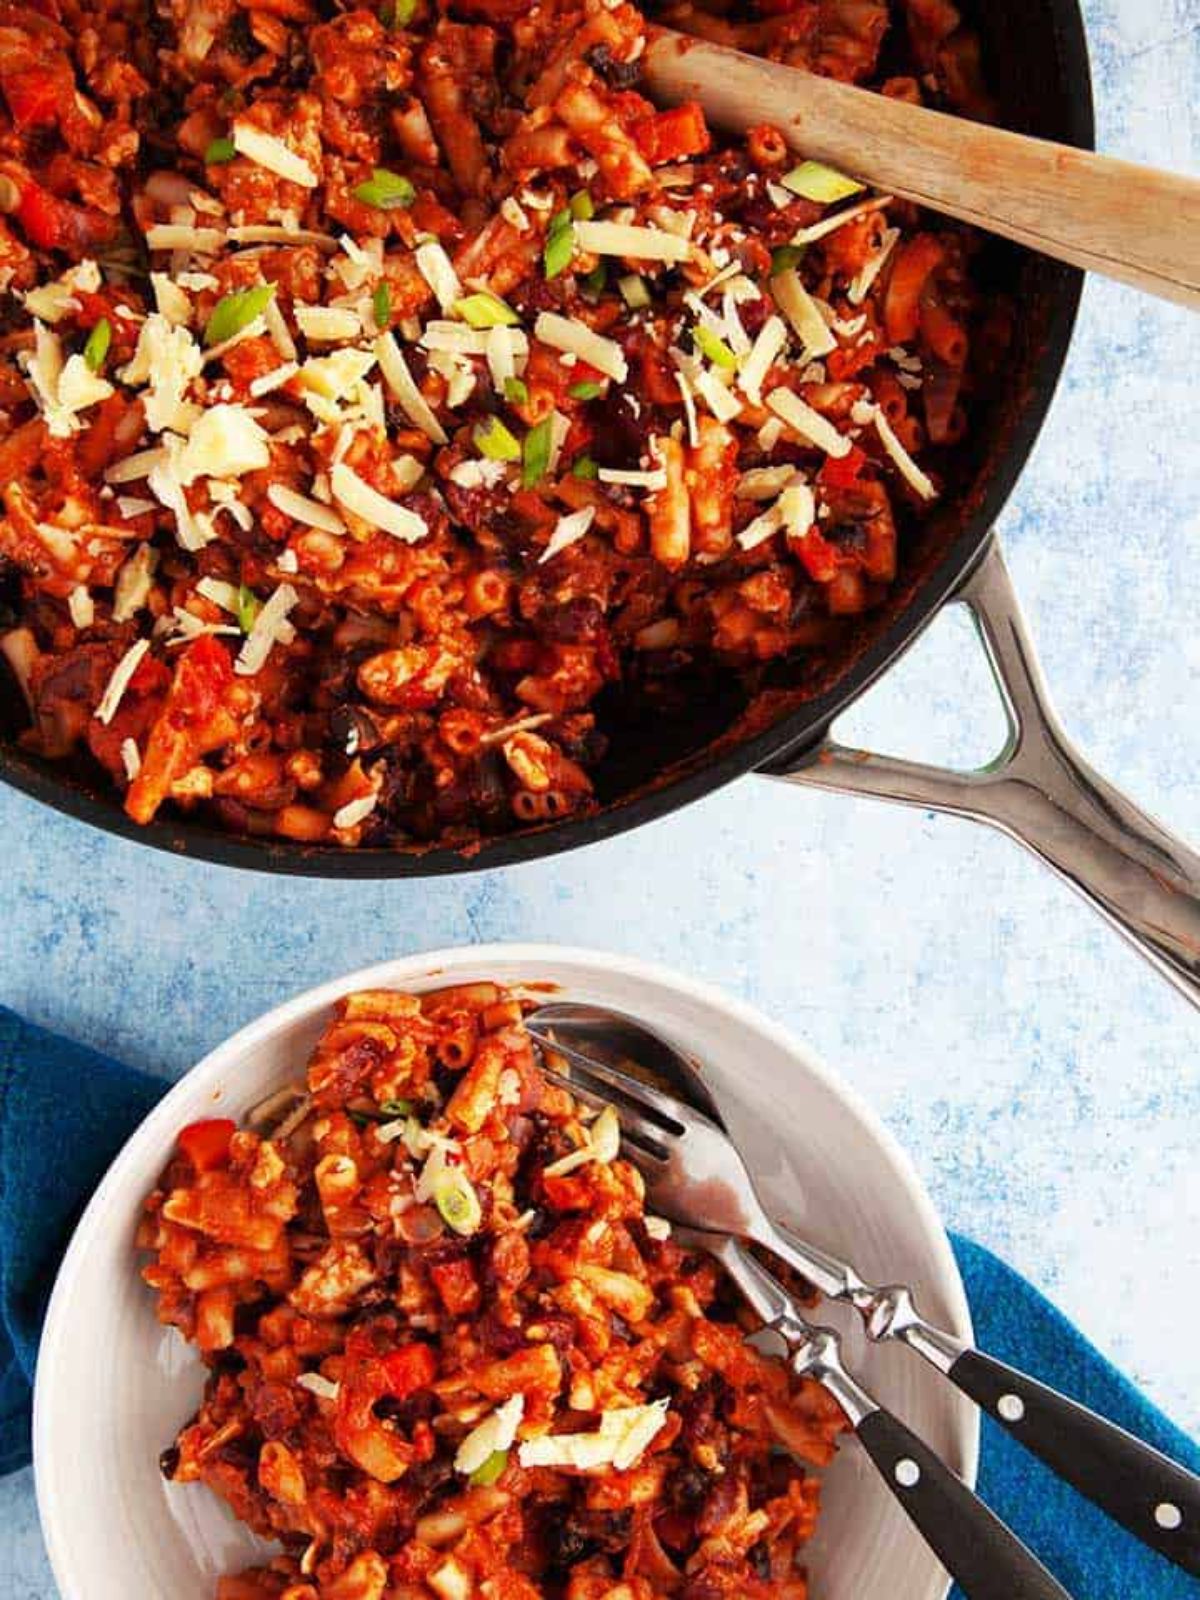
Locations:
(65, 1111)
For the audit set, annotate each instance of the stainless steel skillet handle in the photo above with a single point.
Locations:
(1041, 791)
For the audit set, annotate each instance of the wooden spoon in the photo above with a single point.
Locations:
(1132, 223)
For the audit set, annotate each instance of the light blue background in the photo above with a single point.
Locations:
(1043, 1079)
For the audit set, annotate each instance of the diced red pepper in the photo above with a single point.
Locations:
(201, 678)
(456, 1286)
(206, 1143)
(33, 96)
(54, 224)
(843, 472)
(672, 135)
(408, 1369)
(819, 558)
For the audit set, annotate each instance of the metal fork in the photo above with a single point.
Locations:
(695, 1175)
(981, 1553)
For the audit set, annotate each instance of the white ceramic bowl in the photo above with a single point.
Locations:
(113, 1386)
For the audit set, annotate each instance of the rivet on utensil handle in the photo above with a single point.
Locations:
(1153, 1497)
(985, 1558)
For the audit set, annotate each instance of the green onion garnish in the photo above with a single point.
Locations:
(483, 1477)
(535, 456)
(634, 292)
(98, 341)
(454, 1196)
(248, 607)
(397, 13)
(584, 467)
(587, 390)
(581, 207)
(236, 311)
(714, 347)
(593, 284)
(485, 310)
(516, 391)
(560, 244)
(493, 440)
(386, 191)
(219, 152)
(786, 257)
(814, 181)
(396, 1108)
(381, 307)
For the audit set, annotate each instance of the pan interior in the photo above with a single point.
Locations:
(703, 728)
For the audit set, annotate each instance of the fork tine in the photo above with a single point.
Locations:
(645, 1138)
(673, 1114)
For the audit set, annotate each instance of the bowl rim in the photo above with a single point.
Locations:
(417, 967)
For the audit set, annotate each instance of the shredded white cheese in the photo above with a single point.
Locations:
(436, 268)
(81, 607)
(265, 150)
(866, 414)
(622, 239)
(355, 811)
(358, 497)
(495, 1433)
(301, 509)
(131, 758)
(316, 1383)
(828, 225)
(270, 624)
(772, 337)
(801, 310)
(567, 530)
(328, 324)
(119, 682)
(624, 1435)
(225, 442)
(404, 389)
(865, 282)
(809, 424)
(566, 333)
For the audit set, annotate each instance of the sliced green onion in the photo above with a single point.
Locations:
(516, 391)
(814, 181)
(581, 207)
(454, 1196)
(485, 310)
(587, 390)
(236, 311)
(593, 284)
(397, 13)
(386, 191)
(219, 152)
(634, 292)
(560, 243)
(483, 1477)
(535, 456)
(98, 341)
(714, 347)
(248, 607)
(584, 467)
(396, 1108)
(493, 440)
(787, 257)
(381, 307)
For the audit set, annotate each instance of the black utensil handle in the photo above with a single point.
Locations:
(979, 1552)
(1139, 1487)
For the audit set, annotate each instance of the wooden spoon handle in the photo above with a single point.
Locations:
(1132, 223)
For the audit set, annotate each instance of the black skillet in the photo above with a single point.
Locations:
(1038, 789)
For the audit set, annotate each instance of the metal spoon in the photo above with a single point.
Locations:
(1153, 1497)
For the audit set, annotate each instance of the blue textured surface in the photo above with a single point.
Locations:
(1044, 1081)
